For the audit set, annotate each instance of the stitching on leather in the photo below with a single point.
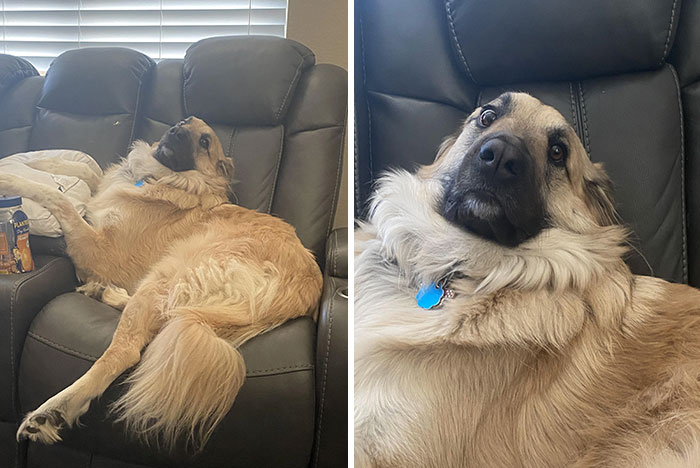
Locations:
(277, 172)
(306, 130)
(61, 347)
(13, 295)
(668, 34)
(291, 84)
(421, 99)
(478, 98)
(136, 112)
(451, 23)
(14, 128)
(234, 130)
(184, 97)
(287, 369)
(684, 232)
(584, 118)
(335, 254)
(325, 378)
(369, 110)
(336, 187)
(573, 107)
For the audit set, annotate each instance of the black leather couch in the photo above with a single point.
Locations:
(625, 74)
(282, 119)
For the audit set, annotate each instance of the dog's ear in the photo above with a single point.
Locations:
(225, 167)
(599, 196)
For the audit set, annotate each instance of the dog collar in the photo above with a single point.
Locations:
(430, 296)
(139, 183)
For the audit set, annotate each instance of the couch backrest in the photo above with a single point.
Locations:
(278, 115)
(603, 65)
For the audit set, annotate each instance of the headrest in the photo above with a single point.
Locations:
(518, 41)
(13, 70)
(95, 81)
(243, 80)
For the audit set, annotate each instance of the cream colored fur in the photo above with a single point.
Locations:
(196, 278)
(550, 354)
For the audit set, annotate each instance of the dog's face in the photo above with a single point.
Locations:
(516, 168)
(192, 145)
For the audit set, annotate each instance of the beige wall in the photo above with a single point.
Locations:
(322, 25)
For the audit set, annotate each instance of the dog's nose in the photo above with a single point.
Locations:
(501, 160)
(177, 131)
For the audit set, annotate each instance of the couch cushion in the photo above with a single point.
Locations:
(13, 70)
(246, 81)
(275, 408)
(17, 112)
(89, 102)
(514, 41)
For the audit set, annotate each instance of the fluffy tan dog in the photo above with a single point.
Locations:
(195, 275)
(544, 351)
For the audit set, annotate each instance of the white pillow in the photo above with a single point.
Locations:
(41, 222)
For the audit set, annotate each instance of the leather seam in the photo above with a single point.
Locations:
(306, 130)
(668, 34)
(336, 186)
(573, 107)
(369, 109)
(234, 130)
(432, 101)
(584, 118)
(15, 128)
(450, 21)
(684, 232)
(325, 379)
(276, 370)
(60, 347)
(13, 296)
(289, 89)
(277, 172)
(335, 254)
(136, 112)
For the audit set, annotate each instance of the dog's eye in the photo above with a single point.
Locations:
(204, 143)
(557, 153)
(487, 117)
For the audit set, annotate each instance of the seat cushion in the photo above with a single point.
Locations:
(270, 424)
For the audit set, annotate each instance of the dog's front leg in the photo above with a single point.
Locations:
(77, 169)
(139, 322)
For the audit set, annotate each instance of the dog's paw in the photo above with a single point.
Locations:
(10, 185)
(42, 426)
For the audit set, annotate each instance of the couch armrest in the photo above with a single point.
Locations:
(337, 253)
(331, 437)
(22, 296)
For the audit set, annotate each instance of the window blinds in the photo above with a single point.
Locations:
(40, 30)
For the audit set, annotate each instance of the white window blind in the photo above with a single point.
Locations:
(40, 30)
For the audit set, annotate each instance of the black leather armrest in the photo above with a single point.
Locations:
(337, 253)
(330, 444)
(21, 298)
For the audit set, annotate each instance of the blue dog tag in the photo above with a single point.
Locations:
(430, 296)
(139, 183)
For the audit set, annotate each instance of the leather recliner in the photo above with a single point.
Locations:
(626, 75)
(282, 119)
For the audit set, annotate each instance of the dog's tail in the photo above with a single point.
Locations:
(184, 385)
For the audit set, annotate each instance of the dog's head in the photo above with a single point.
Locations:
(192, 145)
(516, 168)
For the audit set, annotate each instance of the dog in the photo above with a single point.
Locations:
(196, 277)
(496, 323)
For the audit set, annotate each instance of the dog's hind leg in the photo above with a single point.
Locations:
(140, 321)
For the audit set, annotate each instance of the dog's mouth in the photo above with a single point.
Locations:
(175, 151)
(482, 213)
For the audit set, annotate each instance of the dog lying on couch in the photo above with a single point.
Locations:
(196, 277)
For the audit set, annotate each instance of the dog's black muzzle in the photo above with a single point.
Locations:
(494, 193)
(176, 149)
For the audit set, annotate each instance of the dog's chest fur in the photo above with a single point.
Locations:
(438, 404)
